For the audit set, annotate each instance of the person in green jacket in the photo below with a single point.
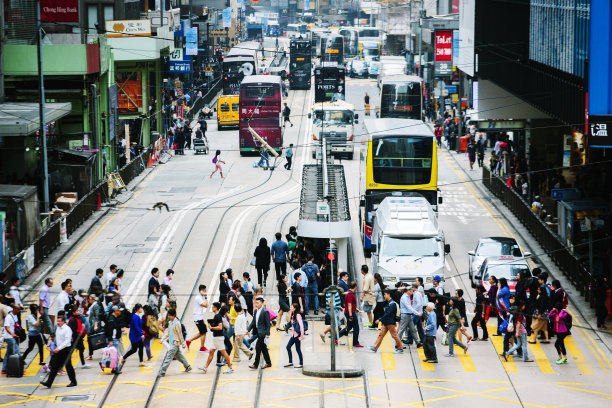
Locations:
(455, 321)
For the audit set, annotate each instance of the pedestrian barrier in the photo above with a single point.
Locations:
(575, 269)
(49, 239)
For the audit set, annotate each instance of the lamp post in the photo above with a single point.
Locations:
(41, 112)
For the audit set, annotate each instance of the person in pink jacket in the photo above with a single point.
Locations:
(297, 335)
(560, 318)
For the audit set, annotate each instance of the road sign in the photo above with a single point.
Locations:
(179, 111)
(565, 194)
(322, 208)
(179, 93)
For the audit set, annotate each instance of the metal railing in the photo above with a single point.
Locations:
(206, 99)
(49, 239)
(574, 268)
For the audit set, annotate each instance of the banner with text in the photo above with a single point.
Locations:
(59, 11)
(444, 45)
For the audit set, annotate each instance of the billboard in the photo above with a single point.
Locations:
(444, 46)
(465, 59)
(59, 11)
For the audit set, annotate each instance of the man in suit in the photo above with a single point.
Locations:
(260, 325)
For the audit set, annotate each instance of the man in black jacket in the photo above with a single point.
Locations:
(95, 287)
(260, 325)
(113, 328)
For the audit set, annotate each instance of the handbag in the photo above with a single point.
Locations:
(444, 339)
(96, 341)
(253, 261)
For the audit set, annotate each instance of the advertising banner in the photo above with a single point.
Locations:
(466, 61)
(455, 48)
(444, 46)
(179, 62)
(128, 28)
(227, 17)
(59, 11)
(191, 41)
(600, 131)
(306, 4)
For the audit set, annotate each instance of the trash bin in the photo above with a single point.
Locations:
(463, 143)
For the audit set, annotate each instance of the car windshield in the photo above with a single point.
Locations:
(358, 65)
(505, 270)
(496, 248)
(333, 117)
(392, 246)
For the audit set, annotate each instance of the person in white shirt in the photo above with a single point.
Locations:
(14, 291)
(10, 337)
(61, 355)
(63, 298)
(240, 330)
(200, 303)
(110, 275)
(295, 267)
(407, 311)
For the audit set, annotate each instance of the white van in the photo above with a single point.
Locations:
(407, 241)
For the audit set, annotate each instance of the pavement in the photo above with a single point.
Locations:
(216, 223)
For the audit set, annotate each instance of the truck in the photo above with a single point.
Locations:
(255, 31)
(334, 122)
(407, 241)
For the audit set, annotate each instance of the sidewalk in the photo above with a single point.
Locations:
(578, 305)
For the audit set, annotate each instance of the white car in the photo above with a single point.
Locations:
(492, 247)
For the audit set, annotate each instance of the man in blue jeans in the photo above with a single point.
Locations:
(10, 336)
(312, 290)
(279, 252)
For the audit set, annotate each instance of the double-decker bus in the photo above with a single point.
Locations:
(260, 108)
(351, 41)
(399, 160)
(401, 96)
(332, 49)
(242, 60)
(329, 82)
(300, 64)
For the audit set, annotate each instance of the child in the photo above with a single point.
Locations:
(110, 357)
(51, 346)
(240, 330)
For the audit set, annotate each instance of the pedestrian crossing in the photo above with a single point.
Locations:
(580, 358)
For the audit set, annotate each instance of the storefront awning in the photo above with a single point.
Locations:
(22, 118)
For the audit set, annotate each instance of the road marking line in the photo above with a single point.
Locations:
(156, 352)
(540, 358)
(586, 332)
(581, 362)
(424, 366)
(466, 362)
(386, 353)
(498, 342)
(588, 391)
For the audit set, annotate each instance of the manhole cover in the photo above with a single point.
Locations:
(69, 398)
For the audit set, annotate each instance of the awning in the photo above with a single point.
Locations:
(22, 118)
(74, 156)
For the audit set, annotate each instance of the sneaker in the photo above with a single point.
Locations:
(298, 366)
(449, 355)
(86, 366)
(322, 335)
(188, 369)
(229, 370)
(45, 368)
(357, 346)
(465, 349)
(367, 324)
(203, 369)
(372, 349)
(188, 344)
(3, 372)
(398, 351)
(342, 343)
(559, 361)
(288, 365)
(426, 360)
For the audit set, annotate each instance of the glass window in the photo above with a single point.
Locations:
(235, 107)
(496, 248)
(402, 160)
(369, 33)
(225, 107)
(239, 67)
(333, 117)
(109, 13)
(259, 91)
(392, 246)
(508, 271)
(401, 101)
(92, 16)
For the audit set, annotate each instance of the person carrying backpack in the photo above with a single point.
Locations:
(562, 325)
(79, 331)
(286, 113)
(312, 290)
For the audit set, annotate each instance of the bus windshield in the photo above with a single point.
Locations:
(369, 52)
(300, 65)
(396, 246)
(401, 101)
(330, 118)
(402, 160)
(369, 33)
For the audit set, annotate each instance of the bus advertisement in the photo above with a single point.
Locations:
(260, 109)
(300, 64)
(240, 61)
(329, 82)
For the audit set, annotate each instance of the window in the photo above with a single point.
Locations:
(392, 246)
(225, 107)
(109, 13)
(92, 16)
(235, 107)
(402, 160)
(259, 91)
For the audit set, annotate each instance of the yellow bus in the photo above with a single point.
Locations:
(227, 111)
(400, 159)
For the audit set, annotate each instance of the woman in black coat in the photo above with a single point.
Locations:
(262, 261)
(223, 287)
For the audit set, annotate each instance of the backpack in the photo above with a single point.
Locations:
(398, 313)
(214, 160)
(296, 327)
(569, 321)
(19, 331)
(310, 272)
(152, 325)
(184, 331)
(81, 330)
(564, 300)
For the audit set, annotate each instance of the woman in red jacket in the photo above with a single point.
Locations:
(560, 318)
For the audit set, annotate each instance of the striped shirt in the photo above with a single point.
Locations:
(337, 301)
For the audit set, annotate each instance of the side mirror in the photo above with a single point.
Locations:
(527, 254)
(215, 109)
(309, 115)
(446, 248)
(373, 248)
(356, 116)
(362, 202)
(472, 253)
(440, 200)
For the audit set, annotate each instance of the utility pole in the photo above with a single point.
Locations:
(421, 15)
(41, 113)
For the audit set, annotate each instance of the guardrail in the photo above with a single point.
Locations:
(574, 268)
(199, 103)
(49, 239)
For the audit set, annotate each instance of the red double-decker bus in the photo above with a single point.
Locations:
(260, 108)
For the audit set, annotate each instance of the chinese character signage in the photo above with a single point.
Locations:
(128, 28)
(444, 45)
(59, 11)
(600, 131)
(180, 62)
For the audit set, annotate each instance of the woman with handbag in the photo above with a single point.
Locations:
(297, 335)
(540, 321)
(262, 261)
(95, 315)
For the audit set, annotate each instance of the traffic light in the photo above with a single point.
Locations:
(219, 53)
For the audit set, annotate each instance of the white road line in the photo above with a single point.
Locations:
(447, 265)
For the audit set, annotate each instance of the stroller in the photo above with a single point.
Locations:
(200, 145)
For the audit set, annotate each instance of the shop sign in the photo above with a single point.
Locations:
(444, 45)
(501, 124)
(59, 11)
(179, 62)
(443, 68)
(600, 131)
(128, 28)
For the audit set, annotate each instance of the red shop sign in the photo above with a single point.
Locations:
(444, 45)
